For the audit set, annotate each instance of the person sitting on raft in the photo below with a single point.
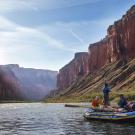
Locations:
(96, 102)
(130, 106)
(124, 104)
(122, 101)
(106, 91)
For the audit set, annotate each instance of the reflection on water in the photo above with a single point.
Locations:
(53, 119)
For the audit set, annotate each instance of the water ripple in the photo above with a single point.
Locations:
(53, 119)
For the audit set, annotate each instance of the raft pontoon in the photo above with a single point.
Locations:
(110, 116)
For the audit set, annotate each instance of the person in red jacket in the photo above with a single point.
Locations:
(96, 102)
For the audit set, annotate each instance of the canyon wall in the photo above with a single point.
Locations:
(76, 68)
(9, 85)
(25, 83)
(119, 44)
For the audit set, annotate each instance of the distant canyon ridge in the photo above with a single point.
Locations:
(17, 83)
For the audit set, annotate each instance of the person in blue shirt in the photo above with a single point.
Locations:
(106, 91)
(122, 102)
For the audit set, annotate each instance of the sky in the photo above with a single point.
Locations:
(45, 34)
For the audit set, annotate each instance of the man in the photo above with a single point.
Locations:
(106, 91)
(122, 102)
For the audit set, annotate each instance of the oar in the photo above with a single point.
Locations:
(82, 106)
(86, 106)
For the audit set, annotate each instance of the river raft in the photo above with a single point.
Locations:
(110, 116)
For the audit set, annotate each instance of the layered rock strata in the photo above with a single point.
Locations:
(119, 44)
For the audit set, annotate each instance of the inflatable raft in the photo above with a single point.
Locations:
(110, 116)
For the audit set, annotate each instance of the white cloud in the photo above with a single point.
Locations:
(77, 37)
(11, 5)
(6, 25)
(17, 41)
(36, 46)
(17, 34)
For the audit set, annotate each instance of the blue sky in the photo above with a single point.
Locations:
(46, 33)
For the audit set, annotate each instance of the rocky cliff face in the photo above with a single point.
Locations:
(119, 44)
(76, 68)
(9, 85)
(121, 79)
(32, 84)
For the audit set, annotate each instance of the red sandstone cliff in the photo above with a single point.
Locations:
(118, 44)
(77, 67)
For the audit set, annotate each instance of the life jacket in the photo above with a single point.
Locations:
(106, 89)
(96, 103)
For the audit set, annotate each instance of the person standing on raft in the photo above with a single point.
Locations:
(106, 91)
